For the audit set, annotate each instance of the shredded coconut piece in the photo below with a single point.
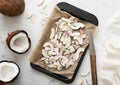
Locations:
(29, 15)
(57, 50)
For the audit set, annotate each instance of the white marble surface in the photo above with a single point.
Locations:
(103, 9)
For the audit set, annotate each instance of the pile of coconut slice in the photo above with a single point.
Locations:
(65, 44)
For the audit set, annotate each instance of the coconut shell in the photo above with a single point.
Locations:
(12, 7)
(8, 39)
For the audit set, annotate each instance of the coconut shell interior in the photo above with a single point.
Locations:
(37, 52)
(4, 82)
(12, 34)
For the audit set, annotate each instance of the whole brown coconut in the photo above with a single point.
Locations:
(12, 7)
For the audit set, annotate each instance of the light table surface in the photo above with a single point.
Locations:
(103, 9)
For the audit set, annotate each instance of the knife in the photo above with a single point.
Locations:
(93, 60)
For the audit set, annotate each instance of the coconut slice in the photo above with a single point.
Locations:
(18, 41)
(8, 71)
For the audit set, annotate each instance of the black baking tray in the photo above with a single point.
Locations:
(81, 14)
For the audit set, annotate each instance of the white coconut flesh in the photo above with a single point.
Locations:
(19, 42)
(8, 71)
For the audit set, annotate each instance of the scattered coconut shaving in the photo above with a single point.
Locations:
(33, 19)
(44, 6)
(29, 15)
(87, 82)
(85, 75)
(44, 20)
(40, 2)
(42, 12)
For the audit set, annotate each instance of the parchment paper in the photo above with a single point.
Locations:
(36, 54)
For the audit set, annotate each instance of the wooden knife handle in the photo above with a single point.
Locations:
(93, 69)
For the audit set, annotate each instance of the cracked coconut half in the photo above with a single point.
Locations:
(8, 71)
(18, 41)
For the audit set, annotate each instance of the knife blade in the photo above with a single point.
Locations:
(93, 60)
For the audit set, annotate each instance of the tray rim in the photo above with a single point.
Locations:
(57, 76)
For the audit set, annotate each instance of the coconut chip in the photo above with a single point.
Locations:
(41, 2)
(44, 6)
(58, 52)
(33, 19)
(29, 15)
(85, 75)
